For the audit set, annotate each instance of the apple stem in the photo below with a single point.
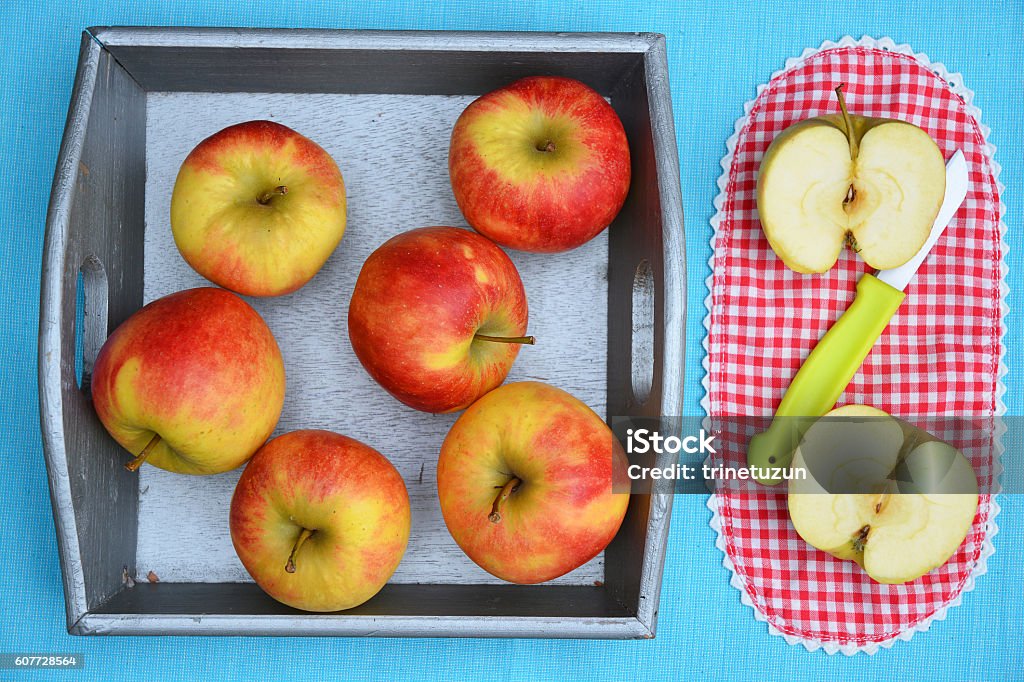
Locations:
(141, 458)
(506, 490)
(529, 340)
(847, 123)
(303, 536)
(278, 191)
(546, 146)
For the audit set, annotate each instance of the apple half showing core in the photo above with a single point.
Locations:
(875, 184)
(525, 482)
(540, 165)
(258, 208)
(919, 503)
(192, 383)
(437, 317)
(319, 520)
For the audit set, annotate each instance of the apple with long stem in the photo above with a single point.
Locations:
(437, 317)
(875, 184)
(319, 520)
(192, 382)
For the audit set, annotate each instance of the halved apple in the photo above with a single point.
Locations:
(919, 509)
(875, 184)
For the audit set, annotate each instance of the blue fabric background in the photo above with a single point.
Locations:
(719, 50)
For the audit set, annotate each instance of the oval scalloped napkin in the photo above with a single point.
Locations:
(942, 352)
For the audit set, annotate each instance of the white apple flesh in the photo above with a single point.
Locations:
(903, 528)
(875, 184)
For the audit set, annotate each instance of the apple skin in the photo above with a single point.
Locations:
(201, 369)
(540, 165)
(419, 300)
(229, 237)
(347, 493)
(563, 513)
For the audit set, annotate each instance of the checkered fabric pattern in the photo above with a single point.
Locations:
(939, 356)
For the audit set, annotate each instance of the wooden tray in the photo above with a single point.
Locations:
(609, 316)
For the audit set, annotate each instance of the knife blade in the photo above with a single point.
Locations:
(828, 369)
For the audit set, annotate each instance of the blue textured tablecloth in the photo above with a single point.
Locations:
(719, 50)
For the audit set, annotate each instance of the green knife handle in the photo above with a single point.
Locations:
(826, 373)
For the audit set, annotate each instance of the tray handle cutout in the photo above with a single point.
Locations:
(91, 298)
(642, 352)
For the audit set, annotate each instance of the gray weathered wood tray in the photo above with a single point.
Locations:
(609, 316)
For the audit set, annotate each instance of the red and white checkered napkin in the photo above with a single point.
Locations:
(941, 354)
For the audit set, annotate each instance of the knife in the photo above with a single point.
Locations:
(827, 371)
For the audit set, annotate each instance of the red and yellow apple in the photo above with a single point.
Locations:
(191, 383)
(320, 520)
(525, 482)
(540, 165)
(258, 208)
(437, 317)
